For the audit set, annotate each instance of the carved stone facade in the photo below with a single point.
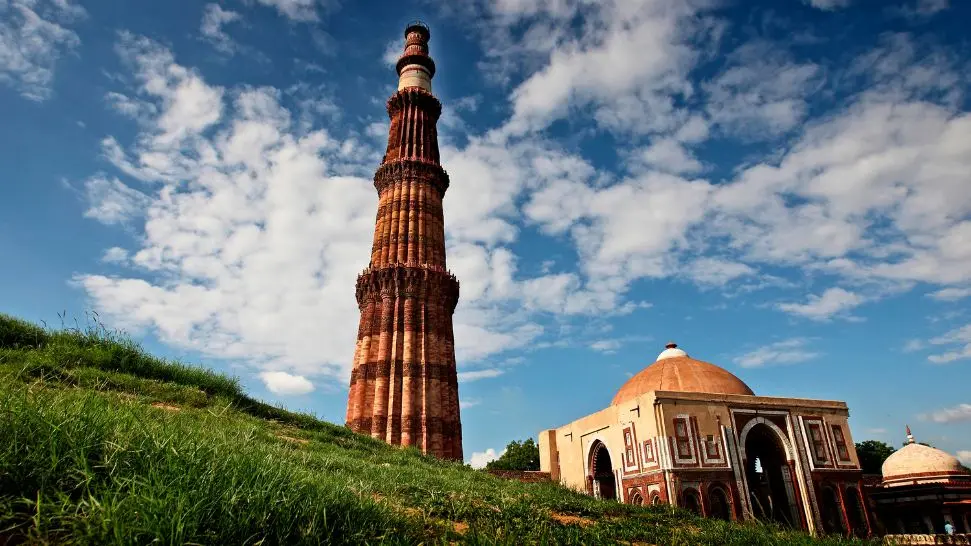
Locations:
(404, 387)
(684, 433)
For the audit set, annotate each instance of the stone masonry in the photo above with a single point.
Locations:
(404, 388)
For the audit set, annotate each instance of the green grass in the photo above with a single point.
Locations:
(106, 444)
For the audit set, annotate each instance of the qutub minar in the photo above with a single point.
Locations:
(404, 388)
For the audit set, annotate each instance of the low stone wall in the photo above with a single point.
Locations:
(527, 476)
(902, 540)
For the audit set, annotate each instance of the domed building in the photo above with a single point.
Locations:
(689, 433)
(922, 488)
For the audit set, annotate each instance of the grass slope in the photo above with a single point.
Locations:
(106, 444)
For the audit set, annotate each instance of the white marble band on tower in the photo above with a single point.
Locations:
(415, 75)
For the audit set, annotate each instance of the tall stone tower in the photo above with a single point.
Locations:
(404, 388)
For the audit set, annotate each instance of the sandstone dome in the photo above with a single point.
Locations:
(674, 370)
(919, 463)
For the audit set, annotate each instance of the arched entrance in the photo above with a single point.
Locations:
(854, 511)
(769, 478)
(602, 472)
(692, 501)
(718, 505)
(829, 510)
(636, 498)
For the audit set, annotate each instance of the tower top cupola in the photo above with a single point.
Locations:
(415, 68)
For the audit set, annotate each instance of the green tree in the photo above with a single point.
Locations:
(518, 456)
(872, 453)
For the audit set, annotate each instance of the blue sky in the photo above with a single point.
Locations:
(783, 187)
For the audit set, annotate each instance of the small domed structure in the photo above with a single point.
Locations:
(671, 350)
(675, 371)
(918, 464)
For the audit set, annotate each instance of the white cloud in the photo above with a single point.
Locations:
(475, 375)
(959, 339)
(257, 226)
(211, 28)
(828, 5)
(790, 351)
(762, 93)
(930, 7)
(607, 346)
(961, 412)
(950, 294)
(869, 192)
(284, 383)
(668, 155)
(626, 64)
(297, 10)
(626, 231)
(392, 52)
(964, 456)
(914, 345)
(469, 403)
(33, 37)
(715, 271)
(115, 255)
(110, 201)
(480, 459)
(919, 10)
(832, 302)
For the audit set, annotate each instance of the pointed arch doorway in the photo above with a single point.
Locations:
(769, 477)
(601, 474)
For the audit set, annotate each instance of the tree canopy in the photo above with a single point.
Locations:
(872, 453)
(518, 456)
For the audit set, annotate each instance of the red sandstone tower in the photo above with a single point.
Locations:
(404, 388)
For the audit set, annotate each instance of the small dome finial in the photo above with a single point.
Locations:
(910, 437)
(671, 350)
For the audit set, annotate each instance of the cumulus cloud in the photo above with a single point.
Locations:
(469, 403)
(213, 19)
(761, 93)
(627, 65)
(607, 346)
(951, 294)
(284, 383)
(112, 202)
(868, 194)
(828, 5)
(919, 10)
(833, 301)
(961, 412)
(668, 155)
(34, 35)
(789, 351)
(255, 255)
(475, 375)
(480, 459)
(115, 255)
(964, 456)
(257, 225)
(297, 10)
(959, 339)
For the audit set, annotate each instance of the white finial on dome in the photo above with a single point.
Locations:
(671, 351)
(910, 437)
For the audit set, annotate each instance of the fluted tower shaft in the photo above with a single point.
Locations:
(404, 388)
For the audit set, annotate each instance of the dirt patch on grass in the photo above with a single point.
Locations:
(166, 407)
(567, 519)
(293, 440)
(460, 527)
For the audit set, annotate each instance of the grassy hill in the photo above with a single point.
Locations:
(103, 443)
